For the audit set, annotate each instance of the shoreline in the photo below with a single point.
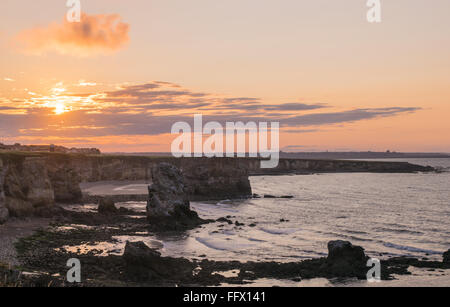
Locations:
(100, 241)
(47, 250)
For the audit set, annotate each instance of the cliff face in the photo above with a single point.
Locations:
(28, 183)
(209, 179)
(106, 168)
(205, 178)
(31, 181)
(64, 178)
(302, 166)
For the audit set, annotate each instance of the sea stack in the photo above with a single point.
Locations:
(168, 206)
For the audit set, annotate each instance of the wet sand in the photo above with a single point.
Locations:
(109, 188)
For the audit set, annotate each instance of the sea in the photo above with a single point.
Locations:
(387, 214)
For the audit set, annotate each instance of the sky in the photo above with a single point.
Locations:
(120, 78)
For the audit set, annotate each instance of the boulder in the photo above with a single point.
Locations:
(143, 263)
(345, 260)
(446, 257)
(269, 196)
(168, 206)
(344, 250)
(107, 206)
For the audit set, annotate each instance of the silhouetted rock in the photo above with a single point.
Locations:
(446, 256)
(143, 263)
(284, 196)
(224, 220)
(168, 206)
(269, 196)
(345, 259)
(107, 206)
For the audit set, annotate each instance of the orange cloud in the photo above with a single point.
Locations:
(95, 34)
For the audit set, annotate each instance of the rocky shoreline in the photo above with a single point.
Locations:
(31, 181)
(42, 257)
(45, 253)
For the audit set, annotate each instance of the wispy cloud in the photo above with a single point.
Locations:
(150, 109)
(95, 34)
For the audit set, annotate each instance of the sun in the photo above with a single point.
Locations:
(60, 108)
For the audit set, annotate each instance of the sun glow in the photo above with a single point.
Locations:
(59, 108)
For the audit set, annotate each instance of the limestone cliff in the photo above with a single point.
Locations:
(31, 182)
(217, 178)
(64, 178)
(26, 185)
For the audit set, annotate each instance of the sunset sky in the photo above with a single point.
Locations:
(119, 79)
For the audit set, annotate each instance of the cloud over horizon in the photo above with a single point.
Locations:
(95, 34)
(150, 109)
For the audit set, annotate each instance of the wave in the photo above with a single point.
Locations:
(285, 231)
(224, 245)
(396, 230)
(411, 249)
(210, 244)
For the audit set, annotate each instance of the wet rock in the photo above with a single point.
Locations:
(143, 264)
(345, 259)
(10, 276)
(107, 206)
(168, 206)
(224, 220)
(269, 196)
(446, 257)
(273, 196)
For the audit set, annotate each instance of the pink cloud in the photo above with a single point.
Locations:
(95, 34)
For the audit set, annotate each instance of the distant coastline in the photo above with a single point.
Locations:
(324, 155)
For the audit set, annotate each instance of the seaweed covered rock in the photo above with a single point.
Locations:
(106, 206)
(168, 206)
(143, 263)
(345, 259)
